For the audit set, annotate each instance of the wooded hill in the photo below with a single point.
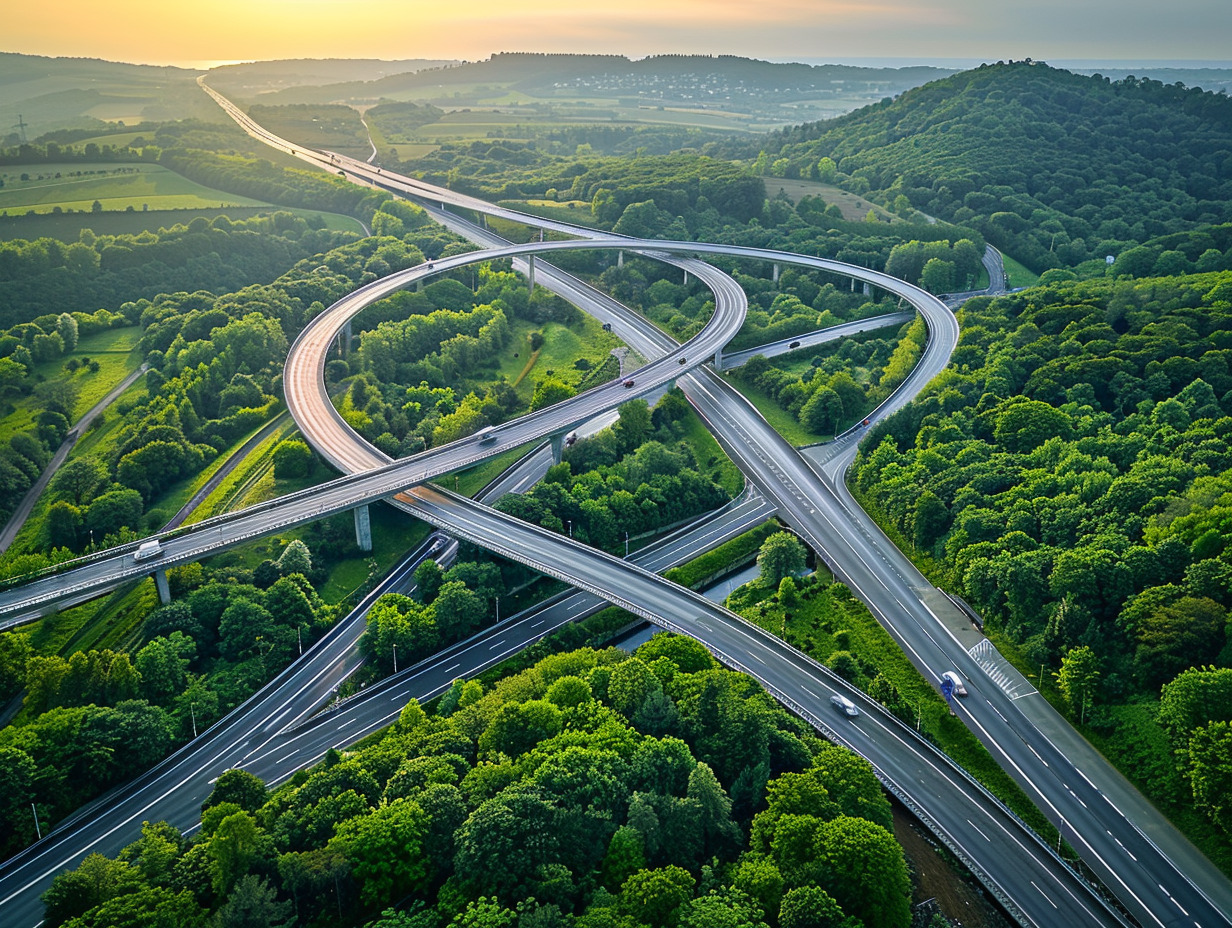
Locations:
(546, 73)
(1053, 167)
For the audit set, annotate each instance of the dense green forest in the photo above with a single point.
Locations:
(1069, 475)
(1053, 167)
(596, 789)
(630, 479)
(215, 372)
(109, 270)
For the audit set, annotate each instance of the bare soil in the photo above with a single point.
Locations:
(940, 883)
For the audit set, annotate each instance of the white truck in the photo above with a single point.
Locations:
(147, 550)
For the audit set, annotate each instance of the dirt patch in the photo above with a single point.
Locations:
(940, 884)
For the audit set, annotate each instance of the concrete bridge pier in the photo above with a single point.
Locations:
(363, 528)
(620, 259)
(558, 446)
(776, 273)
(160, 584)
(718, 360)
(530, 274)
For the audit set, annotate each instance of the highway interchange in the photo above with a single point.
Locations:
(828, 520)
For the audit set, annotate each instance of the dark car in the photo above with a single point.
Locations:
(794, 345)
(628, 383)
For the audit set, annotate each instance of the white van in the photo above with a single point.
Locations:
(147, 550)
(955, 681)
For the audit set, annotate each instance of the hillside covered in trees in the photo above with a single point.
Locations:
(596, 789)
(1054, 167)
(1069, 476)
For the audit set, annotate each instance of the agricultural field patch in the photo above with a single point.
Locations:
(115, 187)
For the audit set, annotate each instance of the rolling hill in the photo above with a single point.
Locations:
(1054, 167)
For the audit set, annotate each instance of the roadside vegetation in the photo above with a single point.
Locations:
(1067, 476)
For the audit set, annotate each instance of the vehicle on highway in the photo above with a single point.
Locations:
(955, 682)
(683, 360)
(628, 383)
(570, 439)
(845, 706)
(794, 345)
(147, 550)
(485, 435)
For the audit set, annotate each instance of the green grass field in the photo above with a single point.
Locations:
(1017, 275)
(116, 357)
(116, 186)
(562, 346)
(855, 207)
(575, 211)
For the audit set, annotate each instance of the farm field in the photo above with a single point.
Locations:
(116, 187)
(67, 226)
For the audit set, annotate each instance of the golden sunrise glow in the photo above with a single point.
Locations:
(205, 34)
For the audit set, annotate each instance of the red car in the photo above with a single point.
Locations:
(628, 383)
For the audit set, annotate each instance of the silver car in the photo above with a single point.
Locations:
(845, 706)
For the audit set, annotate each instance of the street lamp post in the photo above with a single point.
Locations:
(626, 545)
(37, 828)
(569, 525)
(192, 710)
(395, 657)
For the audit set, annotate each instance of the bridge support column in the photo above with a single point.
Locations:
(419, 285)
(558, 447)
(530, 263)
(718, 360)
(868, 288)
(344, 339)
(160, 584)
(776, 273)
(686, 278)
(363, 528)
(620, 259)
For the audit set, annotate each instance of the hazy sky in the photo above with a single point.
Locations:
(202, 33)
